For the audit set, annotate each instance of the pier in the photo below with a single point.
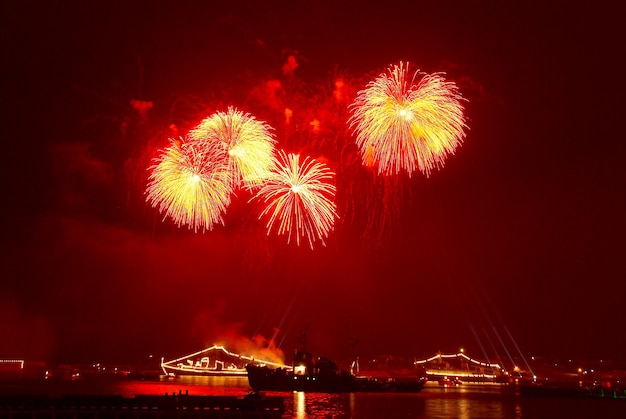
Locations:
(141, 407)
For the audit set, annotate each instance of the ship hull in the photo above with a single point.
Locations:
(203, 372)
(280, 380)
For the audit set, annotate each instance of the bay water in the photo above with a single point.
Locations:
(485, 401)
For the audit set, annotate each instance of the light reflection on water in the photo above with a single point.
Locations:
(196, 386)
(192, 385)
(434, 402)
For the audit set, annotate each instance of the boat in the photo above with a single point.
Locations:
(450, 369)
(213, 361)
(322, 375)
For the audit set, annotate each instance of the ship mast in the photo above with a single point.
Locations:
(302, 338)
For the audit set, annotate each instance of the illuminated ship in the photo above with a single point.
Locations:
(321, 375)
(213, 361)
(450, 369)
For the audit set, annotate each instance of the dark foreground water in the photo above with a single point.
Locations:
(465, 401)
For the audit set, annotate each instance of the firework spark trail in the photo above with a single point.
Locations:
(243, 143)
(404, 125)
(188, 186)
(299, 199)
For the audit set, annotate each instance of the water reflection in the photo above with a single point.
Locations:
(319, 405)
(434, 402)
(465, 402)
(464, 408)
(464, 405)
(192, 385)
(354, 405)
(300, 404)
(393, 404)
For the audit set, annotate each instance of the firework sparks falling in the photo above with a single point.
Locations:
(407, 124)
(188, 186)
(245, 144)
(299, 199)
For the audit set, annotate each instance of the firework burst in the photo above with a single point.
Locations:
(299, 199)
(188, 186)
(407, 124)
(244, 144)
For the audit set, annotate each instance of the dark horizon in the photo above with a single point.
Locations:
(515, 244)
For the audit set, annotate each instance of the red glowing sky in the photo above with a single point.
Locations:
(521, 231)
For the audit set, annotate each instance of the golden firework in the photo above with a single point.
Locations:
(404, 123)
(188, 186)
(299, 199)
(244, 144)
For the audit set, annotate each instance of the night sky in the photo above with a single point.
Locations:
(516, 243)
